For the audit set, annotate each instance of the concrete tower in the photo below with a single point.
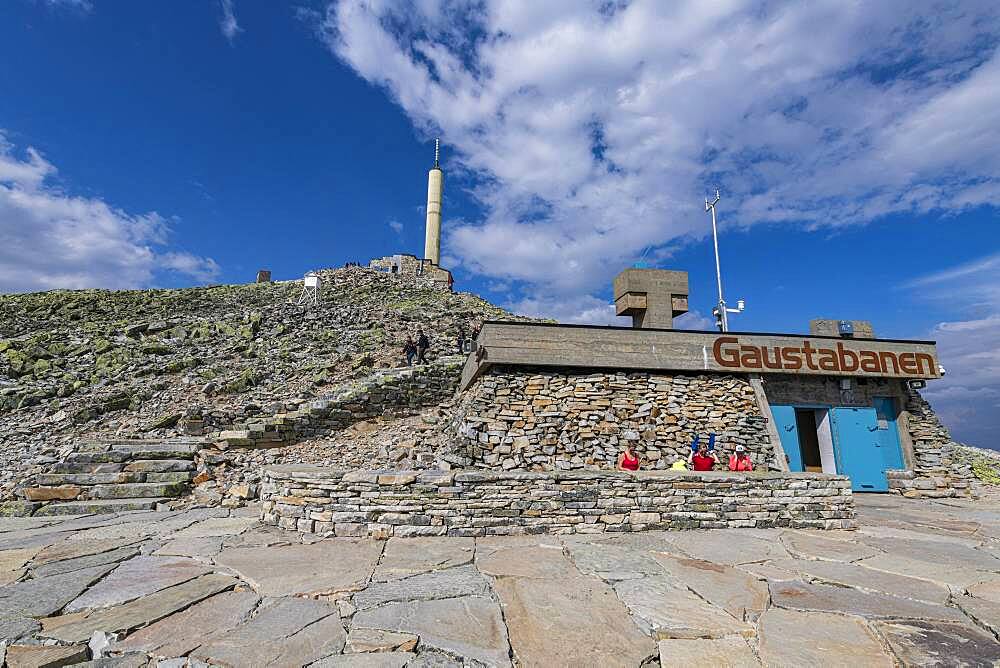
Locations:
(435, 182)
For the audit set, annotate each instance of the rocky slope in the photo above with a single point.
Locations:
(152, 363)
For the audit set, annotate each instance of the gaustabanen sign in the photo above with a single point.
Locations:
(537, 344)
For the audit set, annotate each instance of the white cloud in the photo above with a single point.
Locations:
(49, 239)
(594, 129)
(230, 28)
(968, 397)
(396, 227)
(78, 5)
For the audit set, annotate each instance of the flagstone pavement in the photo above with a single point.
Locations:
(917, 584)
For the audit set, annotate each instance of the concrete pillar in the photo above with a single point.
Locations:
(432, 241)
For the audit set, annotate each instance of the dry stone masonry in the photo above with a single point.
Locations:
(382, 504)
(400, 391)
(542, 419)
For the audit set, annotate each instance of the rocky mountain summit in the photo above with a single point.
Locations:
(93, 364)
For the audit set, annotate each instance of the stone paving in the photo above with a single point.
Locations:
(917, 584)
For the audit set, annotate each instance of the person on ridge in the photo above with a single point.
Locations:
(740, 460)
(410, 350)
(628, 460)
(461, 339)
(702, 457)
(423, 345)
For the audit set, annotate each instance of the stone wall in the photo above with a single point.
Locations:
(411, 265)
(394, 391)
(478, 503)
(545, 419)
(941, 468)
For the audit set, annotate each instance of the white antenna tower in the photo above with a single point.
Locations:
(310, 290)
(720, 311)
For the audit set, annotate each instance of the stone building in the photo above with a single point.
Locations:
(537, 396)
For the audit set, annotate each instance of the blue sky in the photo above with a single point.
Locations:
(169, 144)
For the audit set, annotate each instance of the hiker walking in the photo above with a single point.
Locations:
(409, 350)
(423, 345)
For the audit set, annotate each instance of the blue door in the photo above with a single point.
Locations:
(784, 421)
(858, 448)
(888, 435)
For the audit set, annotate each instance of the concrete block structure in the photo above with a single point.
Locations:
(652, 297)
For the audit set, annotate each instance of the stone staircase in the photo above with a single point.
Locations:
(115, 476)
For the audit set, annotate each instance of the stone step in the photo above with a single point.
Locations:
(159, 450)
(99, 506)
(83, 467)
(160, 465)
(48, 479)
(139, 490)
(107, 457)
(169, 476)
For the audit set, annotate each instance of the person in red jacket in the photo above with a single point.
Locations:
(703, 459)
(740, 460)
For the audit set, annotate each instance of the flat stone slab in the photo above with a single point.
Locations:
(374, 640)
(14, 560)
(793, 638)
(13, 628)
(611, 562)
(470, 627)
(951, 574)
(99, 506)
(728, 546)
(288, 632)
(327, 566)
(448, 583)
(41, 597)
(192, 547)
(217, 526)
(183, 632)
(409, 556)
(986, 613)
(802, 596)
(737, 592)
(666, 610)
(79, 627)
(919, 643)
(868, 579)
(70, 565)
(159, 465)
(138, 577)
(990, 590)
(731, 652)
(805, 545)
(72, 549)
(378, 660)
(938, 552)
(526, 561)
(38, 656)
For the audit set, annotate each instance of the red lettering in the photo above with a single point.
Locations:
(808, 351)
(887, 356)
(870, 362)
(931, 367)
(827, 360)
(791, 358)
(846, 355)
(750, 357)
(777, 358)
(726, 358)
(908, 363)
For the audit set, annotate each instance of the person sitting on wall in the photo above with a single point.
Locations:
(740, 460)
(423, 345)
(703, 457)
(410, 350)
(628, 460)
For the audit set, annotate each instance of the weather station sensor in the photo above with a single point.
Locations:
(721, 312)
